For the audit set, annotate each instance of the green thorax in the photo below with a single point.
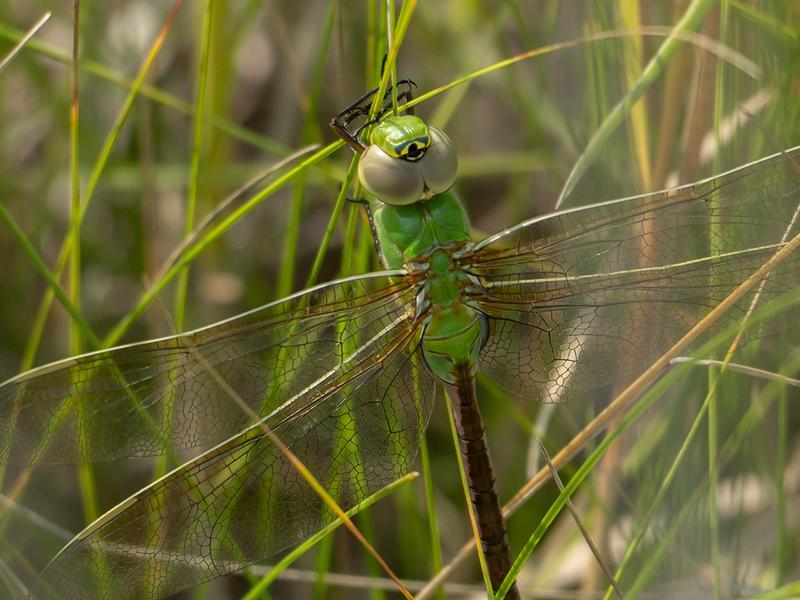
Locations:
(454, 331)
(429, 232)
(414, 230)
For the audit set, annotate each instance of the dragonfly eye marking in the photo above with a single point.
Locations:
(415, 149)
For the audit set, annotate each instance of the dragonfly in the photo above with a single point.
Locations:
(344, 373)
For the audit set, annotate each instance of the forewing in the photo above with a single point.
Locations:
(243, 501)
(592, 295)
(158, 396)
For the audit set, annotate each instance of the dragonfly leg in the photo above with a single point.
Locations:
(371, 220)
(344, 123)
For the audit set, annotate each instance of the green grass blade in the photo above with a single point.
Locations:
(736, 59)
(786, 592)
(400, 30)
(194, 170)
(323, 566)
(314, 539)
(631, 16)
(337, 209)
(690, 20)
(766, 311)
(755, 414)
(41, 267)
(433, 520)
(782, 554)
(161, 97)
(210, 236)
(309, 132)
(86, 477)
(34, 339)
(76, 341)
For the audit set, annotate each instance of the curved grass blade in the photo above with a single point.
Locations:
(235, 130)
(690, 20)
(159, 284)
(313, 482)
(35, 337)
(657, 387)
(210, 236)
(657, 553)
(308, 132)
(738, 368)
(230, 204)
(279, 567)
(319, 258)
(594, 294)
(622, 402)
(126, 387)
(226, 507)
(786, 592)
(736, 59)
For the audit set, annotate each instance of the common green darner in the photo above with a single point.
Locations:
(343, 373)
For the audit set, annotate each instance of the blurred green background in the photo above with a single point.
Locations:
(277, 71)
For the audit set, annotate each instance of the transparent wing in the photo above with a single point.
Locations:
(594, 294)
(243, 501)
(153, 397)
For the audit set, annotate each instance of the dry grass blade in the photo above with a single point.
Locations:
(739, 368)
(367, 583)
(576, 517)
(691, 18)
(44, 524)
(723, 99)
(307, 475)
(66, 247)
(10, 579)
(716, 48)
(26, 38)
(621, 402)
(228, 204)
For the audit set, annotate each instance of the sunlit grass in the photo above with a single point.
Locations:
(186, 111)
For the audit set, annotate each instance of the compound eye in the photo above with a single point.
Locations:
(390, 180)
(440, 163)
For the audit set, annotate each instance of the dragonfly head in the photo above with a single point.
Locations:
(407, 161)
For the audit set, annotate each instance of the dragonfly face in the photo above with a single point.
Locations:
(407, 161)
